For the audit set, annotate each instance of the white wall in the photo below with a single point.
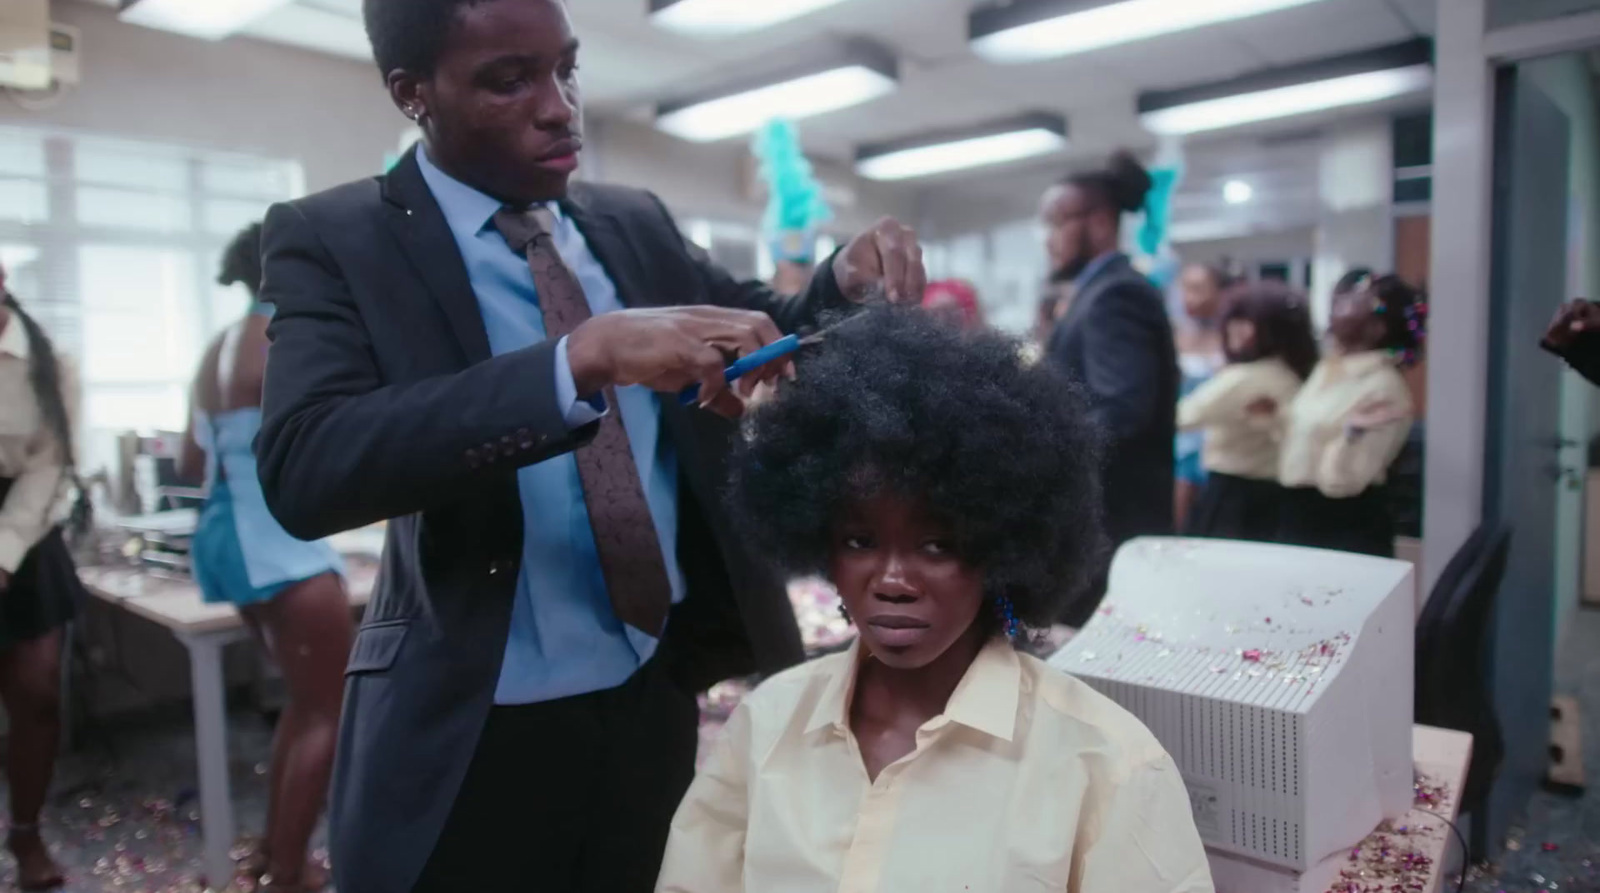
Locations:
(333, 117)
(715, 181)
(1251, 250)
(1005, 263)
(329, 114)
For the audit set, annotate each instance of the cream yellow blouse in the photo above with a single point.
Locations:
(1320, 449)
(29, 454)
(1030, 781)
(1238, 441)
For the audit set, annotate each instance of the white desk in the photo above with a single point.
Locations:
(1442, 757)
(204, 629)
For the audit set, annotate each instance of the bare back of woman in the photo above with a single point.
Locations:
(305, 627)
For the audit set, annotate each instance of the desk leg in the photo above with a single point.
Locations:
(211, 751)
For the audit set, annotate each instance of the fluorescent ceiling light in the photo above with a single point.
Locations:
(1044, 29)
(721, 18)
(1237, 192)
(1028, 136)
(865, 74)
(1341, 82)
(206, 19)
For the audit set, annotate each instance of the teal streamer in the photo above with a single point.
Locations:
(1158, 210)
(796, 206)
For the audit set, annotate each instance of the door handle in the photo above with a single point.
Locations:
(1565, 474)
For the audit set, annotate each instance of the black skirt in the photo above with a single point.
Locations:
(1355, 524)
(1237, 508)
(45, 591)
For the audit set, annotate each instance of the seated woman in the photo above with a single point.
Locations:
(948, 491)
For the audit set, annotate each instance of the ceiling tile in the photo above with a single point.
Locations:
(1322, 29)
(1421, 15)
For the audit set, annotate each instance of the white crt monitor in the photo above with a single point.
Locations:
(1278, 678)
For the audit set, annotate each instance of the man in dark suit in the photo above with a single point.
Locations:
(1116, 340)
(470, 348)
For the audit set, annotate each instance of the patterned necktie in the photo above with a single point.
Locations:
(624, 531)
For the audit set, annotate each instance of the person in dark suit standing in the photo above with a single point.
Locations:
(1116, 340)
(473, 350)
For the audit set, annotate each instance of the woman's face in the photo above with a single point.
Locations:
(908, 594)
(1201, 297)
(1240, 337)
(1353, 321)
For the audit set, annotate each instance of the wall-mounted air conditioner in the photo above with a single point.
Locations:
(25, 44)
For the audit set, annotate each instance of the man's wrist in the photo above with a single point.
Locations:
(586, 359)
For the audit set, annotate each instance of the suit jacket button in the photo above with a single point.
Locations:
(508, 447)
(473, 460)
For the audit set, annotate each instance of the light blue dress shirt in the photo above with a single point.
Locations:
(565, 638)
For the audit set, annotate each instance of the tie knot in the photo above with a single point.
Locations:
(521, 227)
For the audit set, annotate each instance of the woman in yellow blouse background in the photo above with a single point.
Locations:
(945, 489)
(1271, 350)
(1351, 420)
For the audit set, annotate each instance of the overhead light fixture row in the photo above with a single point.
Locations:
(205, 19)
(1337, 82)
(855, 73)
(723, 18)
(1031, 30)
(996, 142)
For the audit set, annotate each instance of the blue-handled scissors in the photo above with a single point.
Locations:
(777, 350)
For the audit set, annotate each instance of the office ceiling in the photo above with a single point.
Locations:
(628, 64)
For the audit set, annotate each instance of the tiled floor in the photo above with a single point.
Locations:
(124, 817)
(1559, 844)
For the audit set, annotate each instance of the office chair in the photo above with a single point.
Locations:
(1452, 648)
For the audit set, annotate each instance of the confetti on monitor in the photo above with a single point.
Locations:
(1279, 679)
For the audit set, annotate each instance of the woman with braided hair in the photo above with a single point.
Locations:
(39, 587)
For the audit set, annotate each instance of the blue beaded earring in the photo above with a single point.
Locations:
(1007, 613)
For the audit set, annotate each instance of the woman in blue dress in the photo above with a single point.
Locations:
(291, 593)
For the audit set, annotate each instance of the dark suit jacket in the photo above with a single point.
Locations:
(382, 402)
(1117, 342)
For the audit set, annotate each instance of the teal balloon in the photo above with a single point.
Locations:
(796, 206)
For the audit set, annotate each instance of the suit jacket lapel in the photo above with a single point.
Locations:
(696, 434)
(610, 246)
(1091, 290)
(417, 222)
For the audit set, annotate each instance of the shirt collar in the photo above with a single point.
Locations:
(1094, 268)
(14, 340)
(985, 700)
(467, 210)
(1365, 363)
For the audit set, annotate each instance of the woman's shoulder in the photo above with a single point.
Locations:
(1273, 373)
(1084, 719)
